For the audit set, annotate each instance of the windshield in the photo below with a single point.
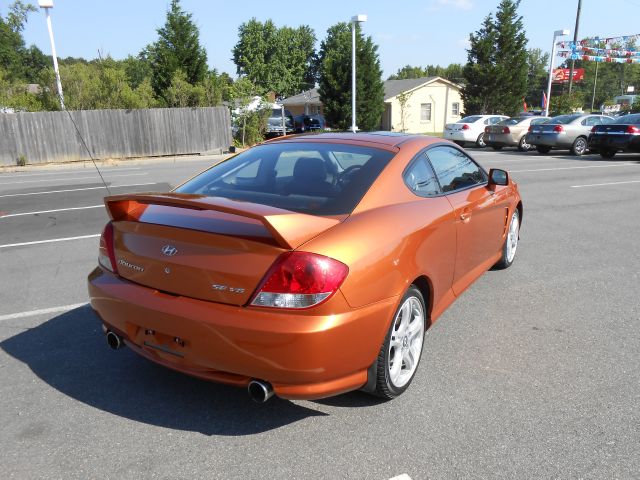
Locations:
(313, 178)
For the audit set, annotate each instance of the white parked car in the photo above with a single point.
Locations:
(471, 129)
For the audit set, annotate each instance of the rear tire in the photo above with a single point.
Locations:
(579, 146)
(401, 350)
(480, 141)
(608, 153)
(523, 146)
(543, 149)
(510, 245)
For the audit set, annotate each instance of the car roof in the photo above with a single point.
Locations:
(382, 139)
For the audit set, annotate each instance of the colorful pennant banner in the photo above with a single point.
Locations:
(606, 50)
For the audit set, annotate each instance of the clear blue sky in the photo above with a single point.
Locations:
(416, 32)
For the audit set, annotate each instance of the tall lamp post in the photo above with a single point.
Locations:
(354, 21)
(556, 34)
(47, 4)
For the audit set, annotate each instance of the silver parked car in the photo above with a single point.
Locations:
(565, 132)
(511, 132)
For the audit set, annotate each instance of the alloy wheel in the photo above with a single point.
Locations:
(406, 342)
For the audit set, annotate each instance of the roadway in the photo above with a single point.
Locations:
(534, 372)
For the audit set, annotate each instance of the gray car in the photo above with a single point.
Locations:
(565, 132)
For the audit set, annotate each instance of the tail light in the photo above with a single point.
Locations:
(632, 129)
(465, 127)
(558, 129)
(593, 129)
(486, 129)
(106, 252)
(506, 130)
(300, 280)
(530, 129)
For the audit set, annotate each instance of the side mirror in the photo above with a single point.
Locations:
(498, 177)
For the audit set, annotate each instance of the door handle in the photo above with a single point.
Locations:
(465, 217)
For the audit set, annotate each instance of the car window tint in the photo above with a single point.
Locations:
(454, 169)
(563, 119)
(421, 179)
(511, 121)
(591, 121)
(470, 119)
(628, 120)
(302, 177)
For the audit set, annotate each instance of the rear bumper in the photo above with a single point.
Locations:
(557, 140)
(617, 142)
(500, 139)
(460, 135)
(303, 355)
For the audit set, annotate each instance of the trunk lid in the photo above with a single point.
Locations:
(212, 249)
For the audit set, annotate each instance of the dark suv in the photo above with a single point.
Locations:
(274, 123)
(309, 123)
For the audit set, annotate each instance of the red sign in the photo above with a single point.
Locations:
(561, 75)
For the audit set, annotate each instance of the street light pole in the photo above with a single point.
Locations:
(354, 20)
(48, 4)
(556, 34)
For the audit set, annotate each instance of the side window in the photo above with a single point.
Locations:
(591, 121)
(495, 120)
(454, 169)
(420, 178)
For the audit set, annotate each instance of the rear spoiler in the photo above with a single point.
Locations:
(289, 229)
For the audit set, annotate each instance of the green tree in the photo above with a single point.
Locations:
(280, 60)
(335, 79)
(479, 72)
(496, 70)
(177, 48)
(537, 76)
(408, 71)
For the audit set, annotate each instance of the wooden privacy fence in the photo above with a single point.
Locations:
(42, 137)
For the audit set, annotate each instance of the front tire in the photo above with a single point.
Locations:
(401, 350)
(510, 243)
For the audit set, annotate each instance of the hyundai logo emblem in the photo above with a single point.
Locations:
(169, 250)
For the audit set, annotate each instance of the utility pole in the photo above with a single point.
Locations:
(47, 5)
(575, 40)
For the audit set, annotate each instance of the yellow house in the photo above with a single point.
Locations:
(420, 105)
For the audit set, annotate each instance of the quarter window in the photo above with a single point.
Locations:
(454, 169)
(425, 112)
(420, 178)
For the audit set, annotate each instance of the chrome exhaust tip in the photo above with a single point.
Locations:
(114, 341)
(260, 391)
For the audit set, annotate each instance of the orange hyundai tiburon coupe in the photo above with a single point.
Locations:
(304, 267)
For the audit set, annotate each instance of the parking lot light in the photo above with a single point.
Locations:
(47, 5)
(556, 34)
(361, 18)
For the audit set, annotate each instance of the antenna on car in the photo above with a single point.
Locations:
(87, 149)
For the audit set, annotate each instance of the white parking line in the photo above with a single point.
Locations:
(603, 184)
(576, 168)
(66, 172)
(38, 242)
(93, 177)
(42, 311)
(49, 211)
(77, 189)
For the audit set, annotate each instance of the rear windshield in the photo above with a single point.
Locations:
(471, 119)
(627, 120)
(312, 178)
(563, 119)
(538, 121)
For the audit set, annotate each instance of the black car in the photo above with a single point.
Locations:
(309, 123)
(274, 123)
(623, 134)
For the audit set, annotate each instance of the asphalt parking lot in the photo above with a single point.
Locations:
(534, 372)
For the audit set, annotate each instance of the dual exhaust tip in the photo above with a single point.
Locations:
(259, 391)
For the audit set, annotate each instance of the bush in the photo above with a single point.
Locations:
(21, 161)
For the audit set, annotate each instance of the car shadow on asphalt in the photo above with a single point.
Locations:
(69, 353)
